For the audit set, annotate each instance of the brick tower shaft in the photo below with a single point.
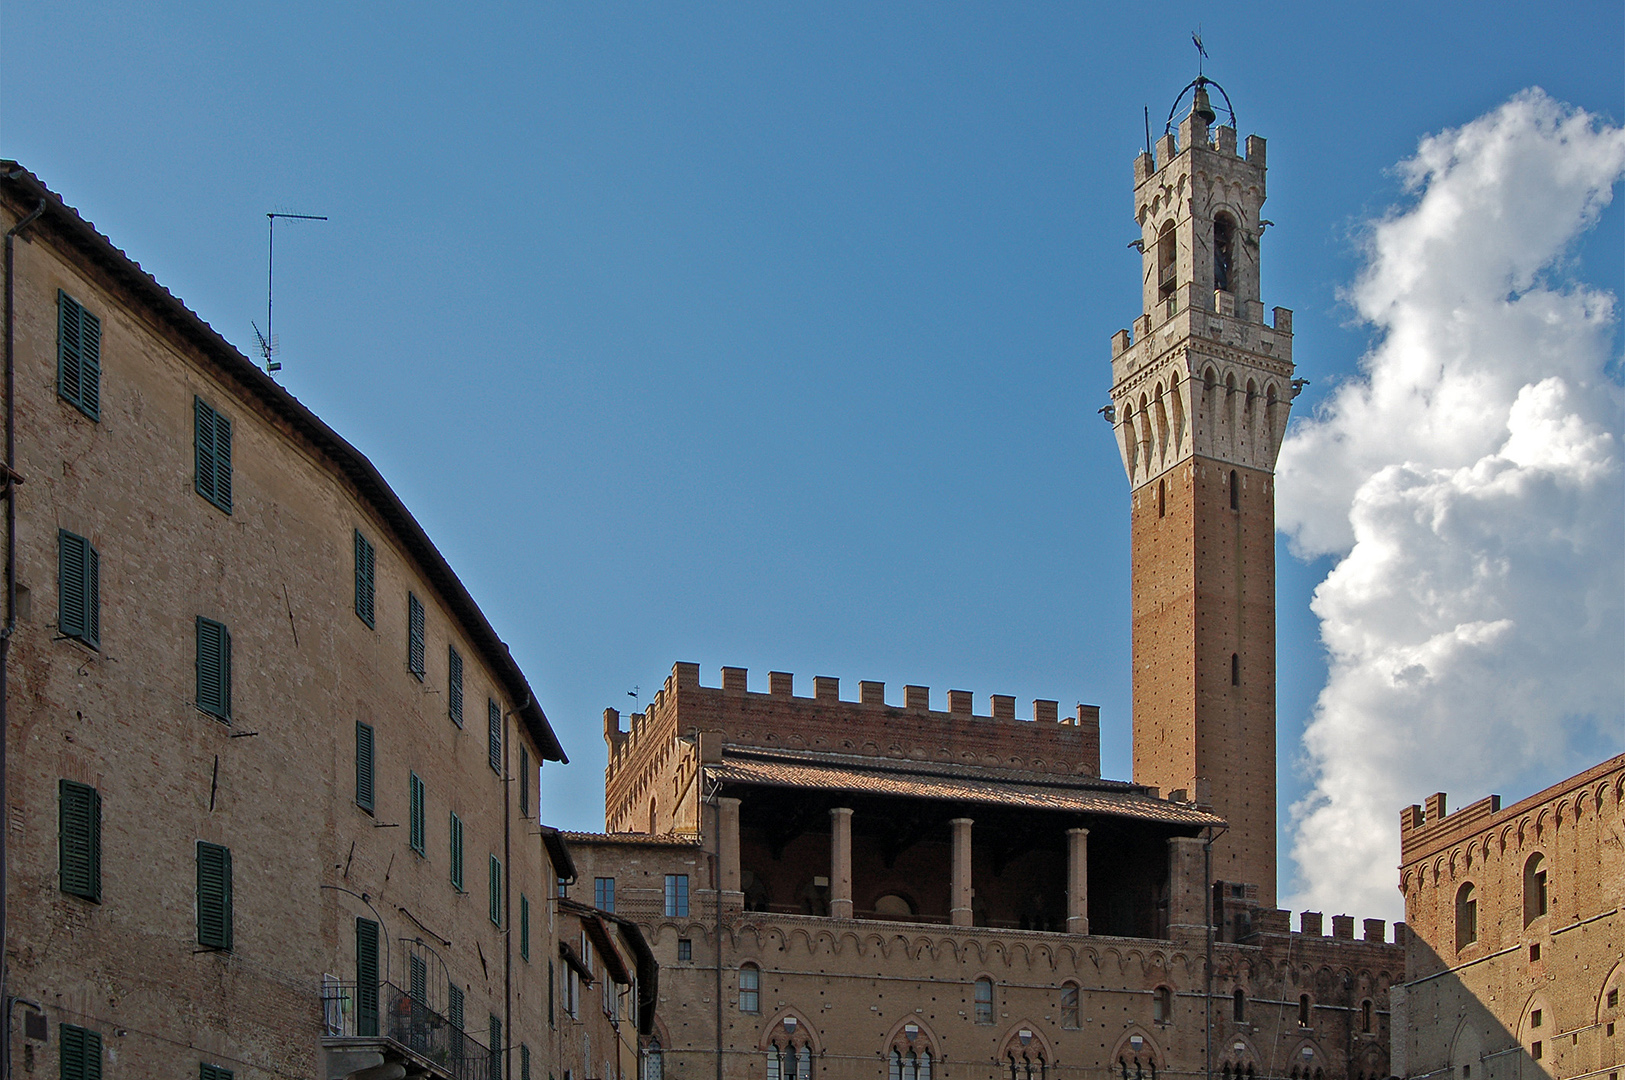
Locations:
(1202, 390)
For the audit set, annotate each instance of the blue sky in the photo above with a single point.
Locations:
(757, 335)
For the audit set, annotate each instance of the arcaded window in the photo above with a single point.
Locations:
(1162, 1005)
(984, 1001)
(1224, 251)
(1534, 888)
(1466, 916)
(750, 988)
(910, 1065)
(1069, 1006)
(1167, 262)
(1238, 1005)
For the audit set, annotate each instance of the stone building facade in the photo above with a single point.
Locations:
(1516, 959)
(877, 889)
(271, 778)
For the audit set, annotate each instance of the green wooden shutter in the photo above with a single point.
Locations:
(366, 977)
(524, 1062)
(213, 668)
(496, 1044)
(213, 896)
(415, 821)
(457, 852)
(363, 766)
(414, 636)
(493, 717)
(78, 356)
(418, 974)
(206, 1071)
(80, 840)
(524, 926)
(365, 558)
(80, 1056)
(454, 685)
(496, 890)
(78, 589)
(211, 445)
(454, 1016)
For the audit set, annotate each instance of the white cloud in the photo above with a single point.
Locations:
(1471, 482)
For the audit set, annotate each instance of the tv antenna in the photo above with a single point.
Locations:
(267, 340)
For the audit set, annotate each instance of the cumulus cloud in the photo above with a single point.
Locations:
(1471, 483)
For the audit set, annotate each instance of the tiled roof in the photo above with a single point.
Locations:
(946, 782)
(662, 839)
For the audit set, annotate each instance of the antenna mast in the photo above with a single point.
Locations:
(267, 340)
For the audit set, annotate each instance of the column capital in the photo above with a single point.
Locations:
(961, 821)
(836, 810)
(1079, 831)
(727, 800)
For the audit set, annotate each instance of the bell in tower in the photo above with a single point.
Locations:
(1201, 391)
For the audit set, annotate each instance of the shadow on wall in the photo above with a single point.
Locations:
(1446, 1025)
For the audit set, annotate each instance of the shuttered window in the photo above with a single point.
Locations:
(81, 1052)
(454, 1014)
(213, 896)
(496, 890)
(79, 591)
(493, 716)
(212, 451)
(454, 685)
(524, 1062)
(80, 840)
(456, 852)
(496, 1044)
(363, 766)
(365, 558)
(206, 1071)
(524, 926)
(78, 356)
(414, 636)
(213, 668)
(418, 976)
(524, 780)
(419, 844)
(366, 977)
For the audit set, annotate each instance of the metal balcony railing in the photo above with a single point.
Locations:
(350, 1011)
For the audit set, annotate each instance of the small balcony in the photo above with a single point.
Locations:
(363, 1028)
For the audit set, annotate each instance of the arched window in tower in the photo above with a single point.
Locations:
(1303, 1010)
(1162, 1005)
(1069, 1006)
(1365, 1016)
(1534, 888)
(1167, 262)
(1224, 252)
(1235, 492)
(651, 817)
(1162, 498)
(1129, 440)
(1466, 916)
(984, 1001)
(1238, 1004)
(1235, 669)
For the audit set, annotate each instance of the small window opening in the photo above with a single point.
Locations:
(1235, 492)
(1534, 888)
(1162, 1005)
(1534, 952)
(1167, 263)
(1365, 1016)
(1535, 1051)
(1466, 916)
(1162, 498)
(1534, 1019)
(1224, 250)
(1303, 1010)
(1235, 669)
(1239, 1004)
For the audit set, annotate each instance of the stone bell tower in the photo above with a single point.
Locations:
(1201, 391)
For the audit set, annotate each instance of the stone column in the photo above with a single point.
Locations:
(840, 863)
(959, 912)
(1187, 888)
(1077, 881)
(728, 852)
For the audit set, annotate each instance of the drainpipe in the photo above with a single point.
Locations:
(11, 480)
(507, 892)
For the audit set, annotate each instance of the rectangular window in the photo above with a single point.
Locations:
(78, 356)
(496, 890)
(80, 840)
(363, 766)
(366, 978)
(524, 926)
(416, 827)
(524, 780)
(80, 1055)
(493, 720)
(454, 685)
(205, 1071)
(456, 852)
(524, 1062)
(212, 454)
(213, 896)
(213, 669)
(79, 591)
(603, 893)
(685, 948)
(365, 560)
(1534, 1051)
(454, 1016)
(676, 895)
(414, 636)
(496, 1043)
